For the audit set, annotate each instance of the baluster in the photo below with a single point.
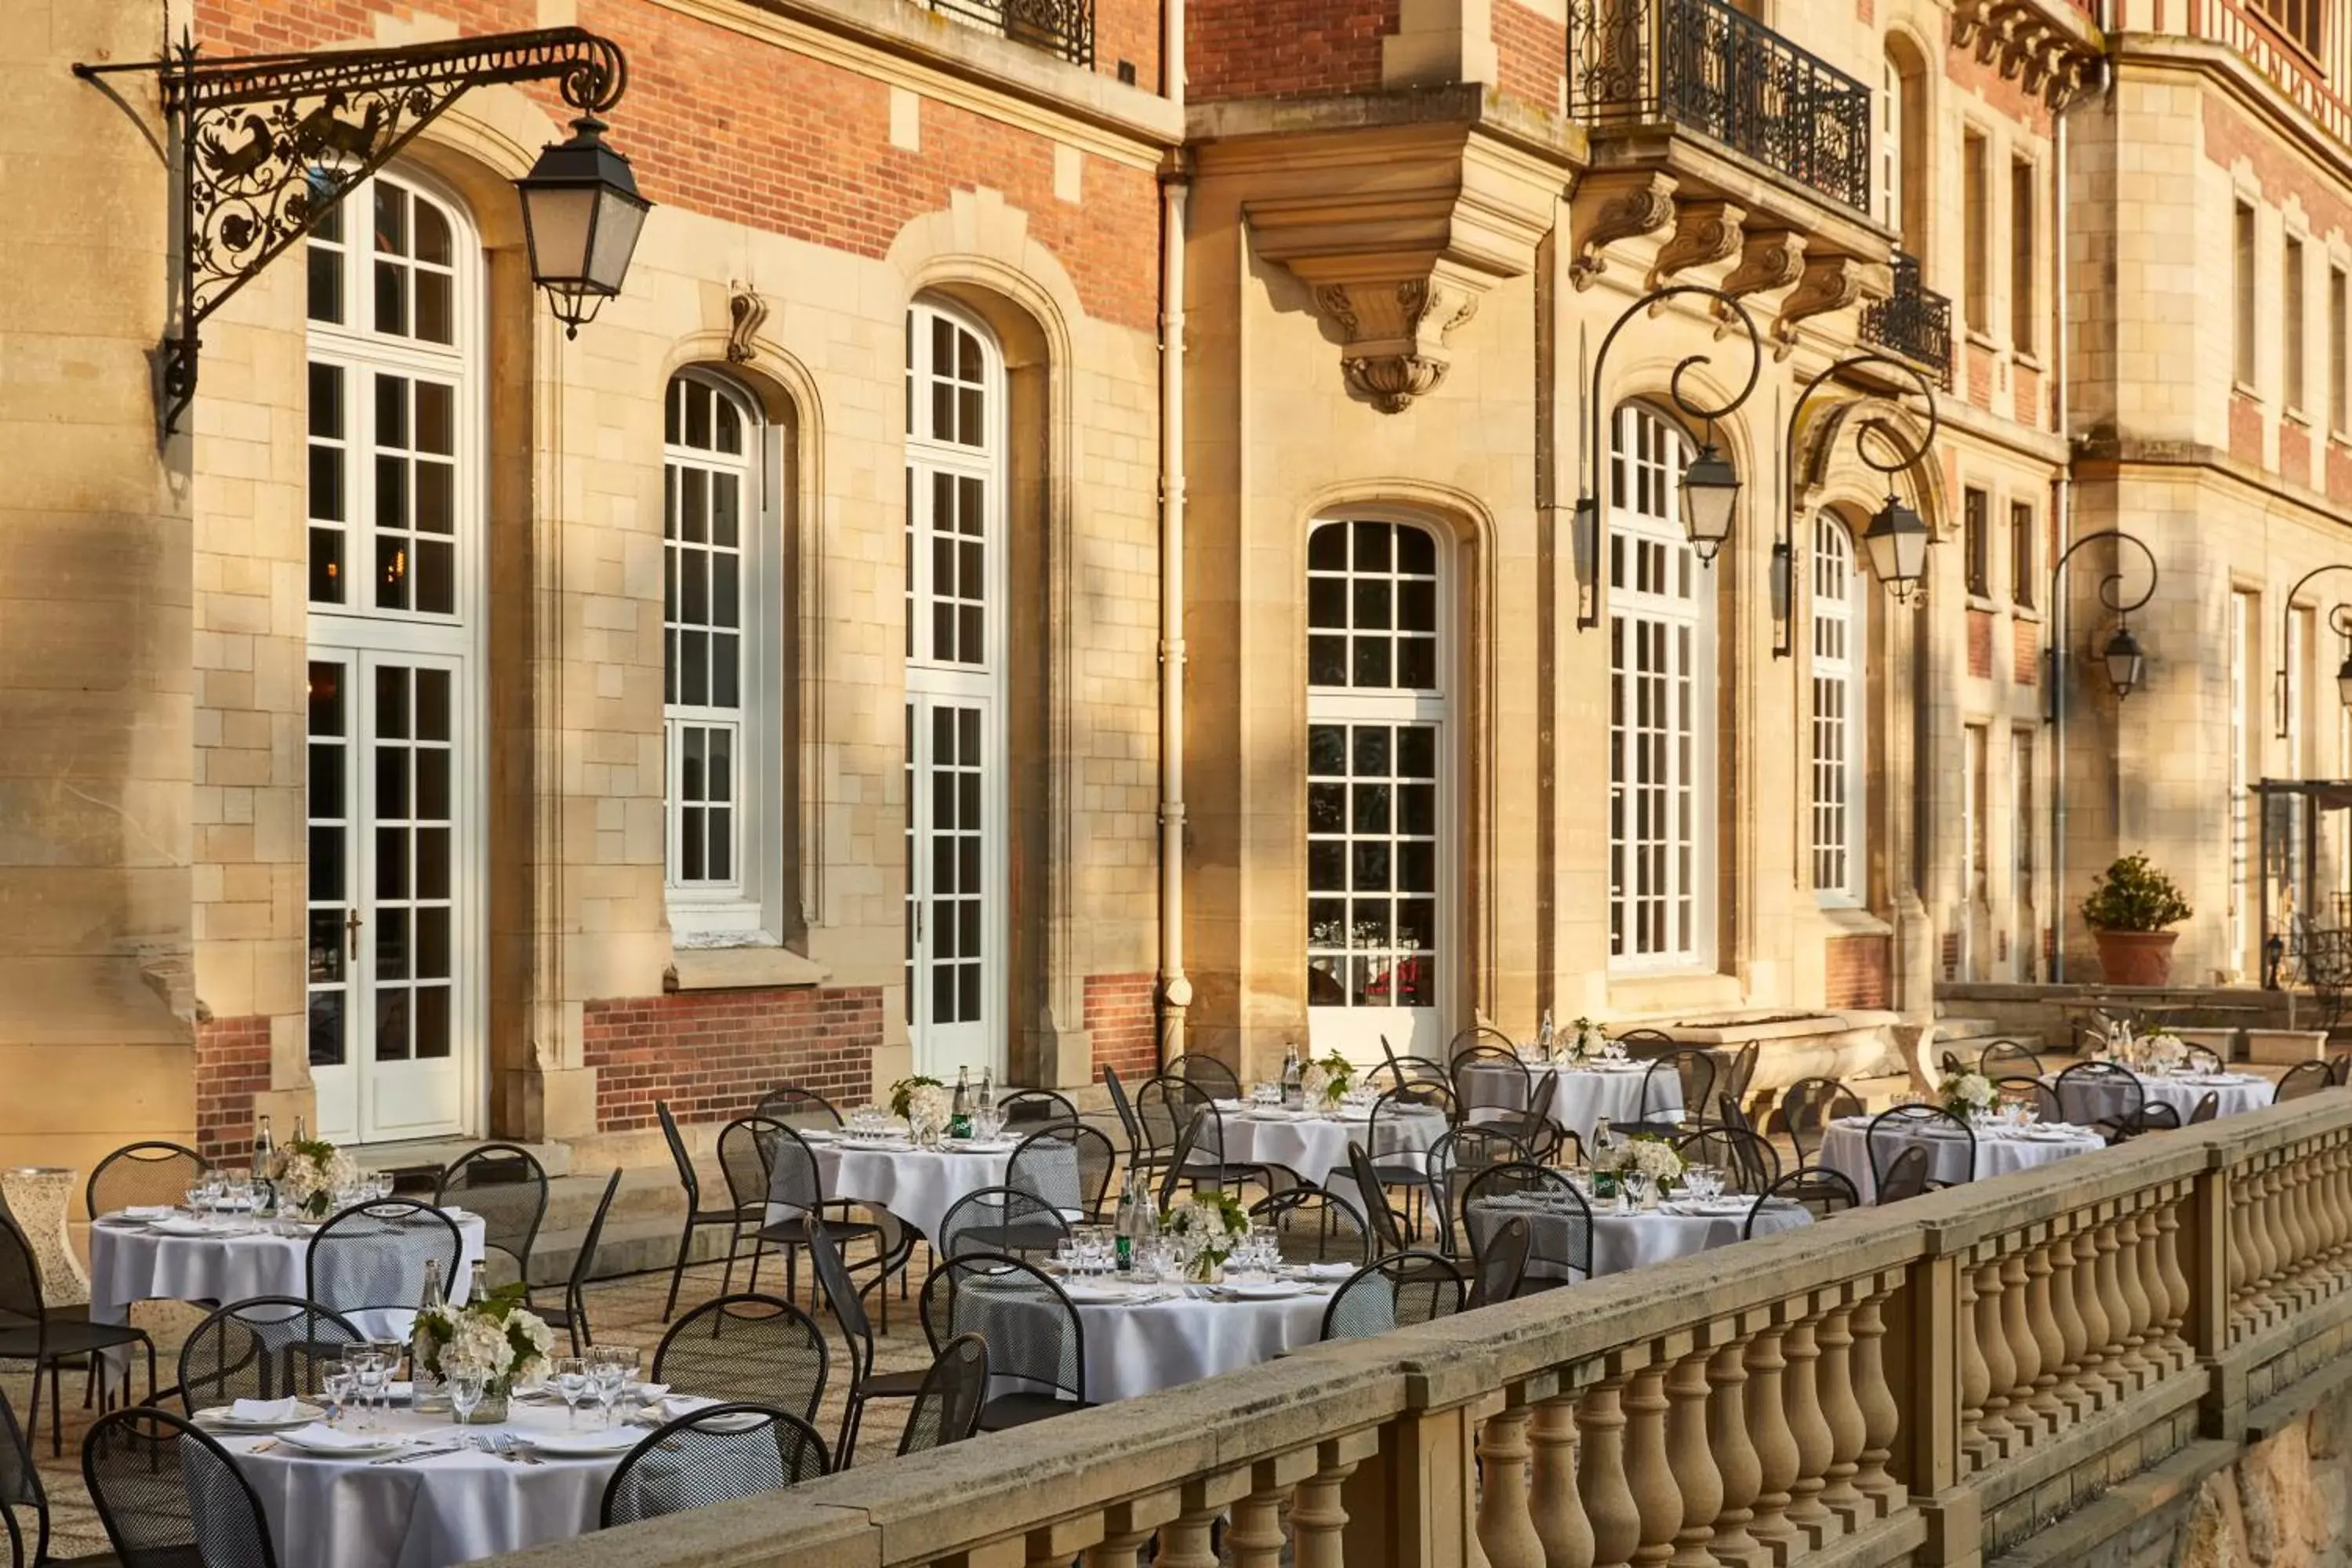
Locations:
(2327, 1199)
(1976, 1379)
(1657, 1494)
(1561, 1524)
(1815, 1447)
(1776, 1446)
(2152, 1285)
(2242, 1261)
(2000, 1367)
(2050, 1347)
(1609, 1504)
(1189, 1539)
(1256, 1535)
(2293, 1242)
(1842, 1413)
(1506, 1526)
(2176, 1280)
(2261, 1241)
(2066, 1313)
(1881, 1416)
(1742, 1474)
(1692, 1458)
(1117, 1550)
(2024, 1349)
(1317, 1518)
(2123, 1231)
(2339, 1157)
(2098, 1378)
(2120, 1366)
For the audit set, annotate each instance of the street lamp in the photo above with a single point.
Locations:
(1897, 539)
(1710, 484)
(581, 218)
(2125, 663)
(2340, 617)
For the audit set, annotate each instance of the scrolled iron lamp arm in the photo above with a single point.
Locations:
(1592, 518)
(2111, 592)
(1908, 456)
(2339, 619)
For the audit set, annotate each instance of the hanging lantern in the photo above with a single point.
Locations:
(581, 218)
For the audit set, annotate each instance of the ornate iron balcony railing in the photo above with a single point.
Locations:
(1701, 65)
(1064, 28)
(1914, 322)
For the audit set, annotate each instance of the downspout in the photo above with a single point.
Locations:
(1175, 990)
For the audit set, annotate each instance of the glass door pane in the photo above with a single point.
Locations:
(333, 921)
(1372, 888)
(950, 932)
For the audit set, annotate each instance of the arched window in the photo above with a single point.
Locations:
(1890, 146)
(1662, 710)
(1376, 795)
(395, 441)
(955, 601)
(1838, 606)
(721, 610)
(1905, 179)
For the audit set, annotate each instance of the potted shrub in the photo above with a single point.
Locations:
(2131, 906)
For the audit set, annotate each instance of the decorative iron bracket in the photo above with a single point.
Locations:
(2111, 594)
(2339, 619)
(268, 143)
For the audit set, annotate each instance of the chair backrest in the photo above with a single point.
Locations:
(2008, 1056)
(1892, 1130)
(1409, 1118)
(797, 1107)
(21, 1304)
(687, 1177)
(1475, 1037)
(144, 1173)
(720, 1452)
(1749, 1164)
(1818, 1190)
(1394, 1292)
(20, 1484)
(1697, 1068)
(1906, 1176)
(1067, 1164)
(1001, 1219)
(1459, 1154)
(1126, 1109)
(170, 1495)
(1034, 1335)
(1647, 1045)
(1377, 1215)
(1811, 1104)
(2104, 1095)
(1497, 1066)
(1564, 1239)
(1163, 1108)
(2208, 1106)
(1740, 1074)
(1310, 1226)
(505, 1185)
(1025, 1110)
(583, 1268)
(270, 1347)
(2303, 1079)
(2205, 1059)
(749, 1148)
(1206, 1074)
(371, 1257)
(1500, 1261)
(841, 1298)
(761, 1348)
(946, 1407)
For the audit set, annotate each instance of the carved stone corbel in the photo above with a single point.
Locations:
(1611, 208)
(746, 312)
(2043, 46)
(1771, 259)
(1830, 283)
(1705, 233)
(1395, 332)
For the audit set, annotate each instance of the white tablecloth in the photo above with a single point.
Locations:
(137, 1265)
(919, 1186)
(1846, 1150)
(2236, 1091)
(1315, 1144)
(432, 1513)
(1141, 1349)
(1622, 1242)
(1585, 1095)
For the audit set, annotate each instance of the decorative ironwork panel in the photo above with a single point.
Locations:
(1704, 66)
(1913, 321)
(1064, 28)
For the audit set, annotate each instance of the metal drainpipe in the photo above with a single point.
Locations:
(1175, 990)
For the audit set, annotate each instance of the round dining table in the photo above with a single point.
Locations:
(1585, 1094)
(918, 1186)
(2087, 1101)
(1141, 1338)
(1622, 1242)
(1845, 1148)
(1314, 1143)
(432, 1508)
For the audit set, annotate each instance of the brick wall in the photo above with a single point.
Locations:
(2246, 429)
(712, 1053)
(232, 1067)
(1532, 49)
(722, 125)
(2295, 452)
(1980, 644)
(2026, 386)
(1120, 1020)
(1859, 970)
(2339, 472)
(2025, 652)
(1285, 48)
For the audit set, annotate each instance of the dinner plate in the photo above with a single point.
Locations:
(1095, 1295)
(363, 1445)
(219, 1418)
(1279, 1291)
(590, 1443)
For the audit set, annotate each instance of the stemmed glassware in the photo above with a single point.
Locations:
(572, 1380)
(371, 1369)
(1635, 1185)
(466, 1391)
(336, 1381)
(614, 1367)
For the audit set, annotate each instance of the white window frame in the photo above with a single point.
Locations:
(1839, 741)
(1646, 472)
(746, 908)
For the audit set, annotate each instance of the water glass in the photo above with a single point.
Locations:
(1635, 1184)
(612, 1366)
(370, 1369)
(336, 1381)
(572, 1380)
(466, 1391)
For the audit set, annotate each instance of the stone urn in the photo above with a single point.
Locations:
(2135, 957)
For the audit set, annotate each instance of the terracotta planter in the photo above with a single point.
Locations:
(2135, 957)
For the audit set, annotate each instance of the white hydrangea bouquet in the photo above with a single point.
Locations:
(2163, 1052)
(929, 1107)
(1968, 1093)
(1584, 1039)
(308, 1173)
(1639, 1155)
(491, 1338)
(1204, 1227)
(1325, 1082)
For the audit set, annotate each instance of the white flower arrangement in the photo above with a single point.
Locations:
(1314, 1083)
(309, 1172)
(1656, 1158)
(1584, 1039)
(1970, 1091)
(493, 1339)
(2165, 1052)
(929, 1107)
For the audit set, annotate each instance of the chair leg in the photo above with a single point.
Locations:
(734, 1246)
(33, 1409)
(57, 1411)
(759, 1251)
(678, 1272)
(849, 1420)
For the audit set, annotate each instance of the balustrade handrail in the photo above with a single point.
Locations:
(2091, 1302)
(1914, 321)
(1702, 65)
(1064, 28)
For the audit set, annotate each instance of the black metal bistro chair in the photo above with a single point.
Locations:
(717, 1453)
(505, 1185)
(270, 1347)
(572, 1316)
(746, 1347)
(30, 1331)
(372, 1255)
(1394, 1292)
(1034, 1338)
(170, 1496)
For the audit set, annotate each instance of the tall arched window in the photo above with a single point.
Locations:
(396, 436)
(954, 586)
(1838, 607)
(1890, 146)
(721, 606)
(1376, 795)
(1662, 710)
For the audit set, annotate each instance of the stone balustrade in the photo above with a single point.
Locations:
(1932, 1383)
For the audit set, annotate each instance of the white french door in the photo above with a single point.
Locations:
(952, 868)
(391, 921)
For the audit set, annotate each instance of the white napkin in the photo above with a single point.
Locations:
(318, 1436)
(255, 1410)
(184, 1228)
(677, 1405)
(149, 1211)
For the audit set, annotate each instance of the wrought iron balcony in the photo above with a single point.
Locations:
(1914, 322)
(1062, 28)
(1704, 66)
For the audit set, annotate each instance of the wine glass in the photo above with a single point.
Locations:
(1635, 1184)
(466, 1391)
(612, 1365)
(336, 1381)
(572, 1380)
(370, 1370)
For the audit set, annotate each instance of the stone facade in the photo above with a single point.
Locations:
(1403, 239)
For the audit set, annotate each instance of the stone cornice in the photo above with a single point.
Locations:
(2108, 457)
(2249, 88)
